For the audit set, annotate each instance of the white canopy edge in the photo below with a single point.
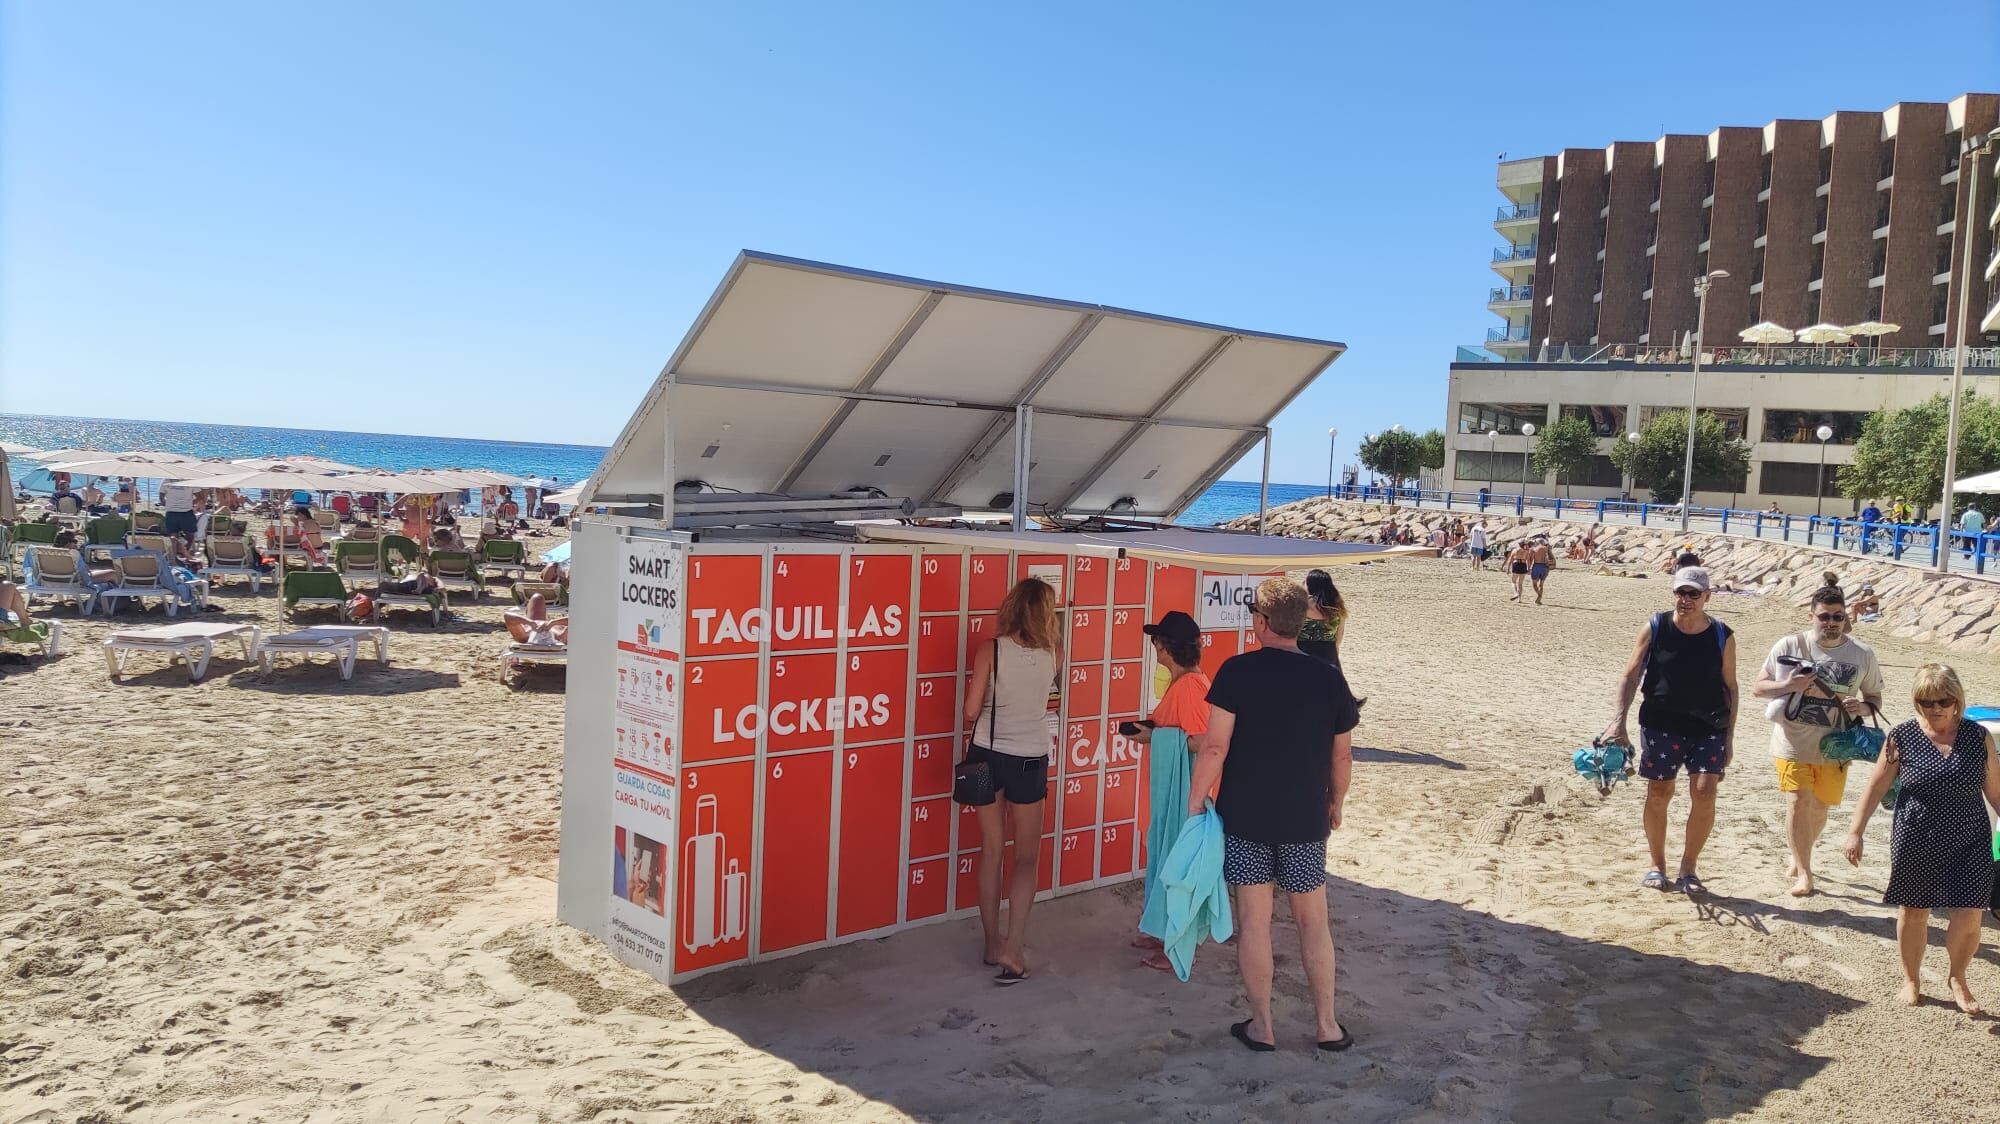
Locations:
(1176, 546)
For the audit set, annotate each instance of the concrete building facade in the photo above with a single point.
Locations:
(1777, 409)
(1857, 216)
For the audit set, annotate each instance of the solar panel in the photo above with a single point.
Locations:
(804, 377)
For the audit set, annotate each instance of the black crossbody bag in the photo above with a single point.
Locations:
(972, 781)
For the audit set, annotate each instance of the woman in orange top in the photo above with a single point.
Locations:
(1184, 706)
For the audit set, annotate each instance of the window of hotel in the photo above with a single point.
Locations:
(1757, 270)
(1597, 472)
(1943, 263)
(1881, 208)
(1888, 162)
(1875, 303)
(1826, 163)
(1605, 421)
(1798, 427)
(1763, 217)
(1734, 419)
(1819, 265)
(1947, 208)
(1940, 305)
(1812, 307)
(1952, 145)
(1819, 215)
(1507, 417)
(1478, 466)
(1764, 179)
(1782, 478)
(1708, 179)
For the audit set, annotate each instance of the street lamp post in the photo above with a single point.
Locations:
(1968, 178)
(1631, 481)
(1331, 435)
(1492, 455)
(1825, 434)
(1701, 288)
(1527, 431)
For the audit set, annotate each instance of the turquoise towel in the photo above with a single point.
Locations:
(1171, 771)
(1196, 895)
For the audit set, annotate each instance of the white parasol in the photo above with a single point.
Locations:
(1824, 333)
(309, 464)
(1766, 333)
(10, 449)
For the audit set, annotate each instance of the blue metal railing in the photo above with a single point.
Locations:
(1518, 211)
(1514, 253)
(1511, 293)
(1506, 333)
(1915, 543)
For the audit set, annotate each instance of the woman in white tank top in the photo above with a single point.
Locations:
(1007, 702)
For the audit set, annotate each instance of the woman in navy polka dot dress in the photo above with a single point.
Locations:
(1940, 851)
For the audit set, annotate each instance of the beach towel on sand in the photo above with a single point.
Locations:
(1197, 898)
(1168, 753)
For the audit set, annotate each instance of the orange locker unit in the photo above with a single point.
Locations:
(822, 715)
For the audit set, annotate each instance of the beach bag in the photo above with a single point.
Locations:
(1603, 764)
(1855, 743)
(360, 607)
(972, 781)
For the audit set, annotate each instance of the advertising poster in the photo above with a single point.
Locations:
(643, 751)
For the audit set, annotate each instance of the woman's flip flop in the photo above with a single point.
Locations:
(1655, 880)
(1690, 884)
(1241, 1032)
(1008, 977)
(1345, 1040)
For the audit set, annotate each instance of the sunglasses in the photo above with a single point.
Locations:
(1938, 704)
(1689, 592)
(1830, 618)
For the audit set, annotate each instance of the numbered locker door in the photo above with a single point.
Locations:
(713, 878)
(872, 800)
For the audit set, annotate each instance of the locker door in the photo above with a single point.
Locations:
(798, 815)
(871, 837)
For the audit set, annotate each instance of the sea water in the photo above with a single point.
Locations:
(565, 464)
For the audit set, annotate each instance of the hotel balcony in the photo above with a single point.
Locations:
(1507, 340)
(1509, 296)
(1518, 213)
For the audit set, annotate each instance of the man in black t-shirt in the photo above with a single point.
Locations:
(1279, 743)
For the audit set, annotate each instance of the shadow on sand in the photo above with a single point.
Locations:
(1458, 1017)
(1404, 757)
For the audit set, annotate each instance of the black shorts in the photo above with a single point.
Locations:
(1519, 567)
(1022, 780)
(179, 523)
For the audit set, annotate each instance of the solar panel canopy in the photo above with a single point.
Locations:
(801, 377)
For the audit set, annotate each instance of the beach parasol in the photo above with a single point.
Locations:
(135, 465)
(1984, 482)
(1875, 330)
(569, 498)
(1823, 333)
(1766, 333)
(7, 512)
(309, 464)
(487, 478)
(13, 450)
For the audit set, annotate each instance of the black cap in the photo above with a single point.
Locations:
(1176, 628)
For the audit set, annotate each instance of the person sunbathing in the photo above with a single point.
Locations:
(532, 625)
(12, 600)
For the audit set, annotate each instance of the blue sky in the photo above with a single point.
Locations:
(496, 220)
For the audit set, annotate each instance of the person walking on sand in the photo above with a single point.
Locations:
(1818, 681)
(1476, 544)
(1940, 853)
(1684, 665)
(1540, 561)
(1518, 557)
(1007, 702)
(1279, 744)
(1183, 709)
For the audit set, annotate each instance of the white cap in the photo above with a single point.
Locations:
(1691, 576)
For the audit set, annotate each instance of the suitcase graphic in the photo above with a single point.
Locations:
(714, 898)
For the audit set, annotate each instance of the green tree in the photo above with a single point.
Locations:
(1433, 450)
(1396, 453)
(1564, 448)
(1656, 460)
(1901, 452)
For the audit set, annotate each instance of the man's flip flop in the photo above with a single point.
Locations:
(1008, 977)
(1345, 1040)
(1655, 880)
(1690, 884)
(1241, 1032)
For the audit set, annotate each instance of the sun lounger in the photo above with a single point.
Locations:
(506, 558)
(140, 576)
(192, 642)
(358, 561)
(552, 593)
(158, 544)
(329, 524)
(342, 642)
(148, 521)
(56, 574)
(433, 603)
(400, 550)
(546, 655)
(363, 532)
(230, 557)
(315, 589)
(45, 635)
(106, 530)
(454, 569)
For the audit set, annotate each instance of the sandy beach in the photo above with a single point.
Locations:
(299, 899)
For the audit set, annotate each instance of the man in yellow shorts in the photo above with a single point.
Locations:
(1818, 681)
